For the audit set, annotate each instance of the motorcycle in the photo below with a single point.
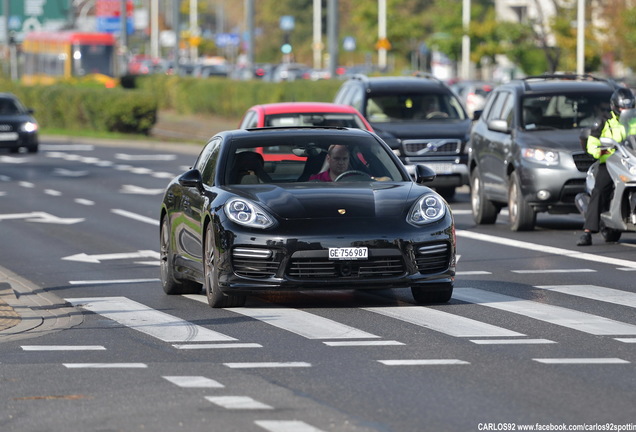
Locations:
(620, 216)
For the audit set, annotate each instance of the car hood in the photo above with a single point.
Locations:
(327, 200)
(427, 129)
(564, 140)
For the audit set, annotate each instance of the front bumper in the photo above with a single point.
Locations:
(398, 258)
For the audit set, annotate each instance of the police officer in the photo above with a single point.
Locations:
(607, 127)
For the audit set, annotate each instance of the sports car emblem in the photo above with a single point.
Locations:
(342, 211)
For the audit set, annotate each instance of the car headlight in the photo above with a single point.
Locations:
(29, 127)
(545, 157)
(429, 208)
(246, 213)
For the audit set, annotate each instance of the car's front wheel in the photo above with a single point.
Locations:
(522, 216)
(433, 293)
(171, 285)
(216, 298)
(484, 211)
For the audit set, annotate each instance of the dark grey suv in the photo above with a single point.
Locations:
(526, 147)
(420, 118)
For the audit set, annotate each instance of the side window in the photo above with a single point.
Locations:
(507, 109)
(356, 98)
(206, 164)
(488, 106)
(250, 120)
(497, 106)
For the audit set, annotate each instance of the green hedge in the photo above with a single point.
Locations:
(230, 98)
(134, 109)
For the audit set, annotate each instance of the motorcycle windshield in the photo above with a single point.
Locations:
(628, 120)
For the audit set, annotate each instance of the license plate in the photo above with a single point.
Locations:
(8, 136)
(349, 253)
(441, 168)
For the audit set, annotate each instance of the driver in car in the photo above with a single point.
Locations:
(338, 162)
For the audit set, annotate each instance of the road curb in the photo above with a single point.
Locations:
(38, 312)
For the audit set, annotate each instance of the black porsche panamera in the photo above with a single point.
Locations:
(247, 218)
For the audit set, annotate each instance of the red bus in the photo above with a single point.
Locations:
(54, 56)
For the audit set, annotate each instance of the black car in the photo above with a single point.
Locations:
(238, 225)
(18, 128)
(420, 118)
(526, 147)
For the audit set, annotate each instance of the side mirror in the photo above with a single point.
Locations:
(423, 174)
(192, 178)
(477, 114)
(498, 126)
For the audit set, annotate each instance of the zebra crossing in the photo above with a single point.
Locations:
(184, 335)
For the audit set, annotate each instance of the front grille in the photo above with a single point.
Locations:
(432, 259)
(432, 147)
(583, 161)
(317, 265)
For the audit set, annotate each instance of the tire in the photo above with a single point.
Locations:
(433, 293)
(33, 149)
(484, 211)
(610, 235)
(216, 298)
(522, 216)
(170, 284)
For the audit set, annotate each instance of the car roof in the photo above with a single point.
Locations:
(301, 107)
(401, 83)
(294, 130)
(562, 83)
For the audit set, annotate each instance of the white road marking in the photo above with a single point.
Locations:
(546, 271)
(216, 346)
(194, 382)
(157, 157)
(82, 257)
(260, 365)
(66, 147)
(26, 184)
(41, 217)
(511, 341)
(237, 402)
(593, 292)
(423, 362)
(154, 323)
(63, 347)
(104, 365)
(85, 202)
(560, 316)
(138, 190)
(363, 343)
(546, 249)
(112, 281)
(52, 192)
(286, 426)
(626, 340)
(581, 361)
(135, 216)
(473, 273)
(303, 323)
(450, 324)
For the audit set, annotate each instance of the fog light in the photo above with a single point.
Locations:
(543, 195)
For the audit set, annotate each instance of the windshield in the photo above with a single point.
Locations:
(562, 111)
(414, 107)
(304, 158)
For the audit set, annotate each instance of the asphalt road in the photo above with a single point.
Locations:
(539, 332)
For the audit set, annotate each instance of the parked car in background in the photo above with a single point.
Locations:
(18, 127)
(420, 118)
(238, 225)
(290, 72)
(473, 94)
(526, 149)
